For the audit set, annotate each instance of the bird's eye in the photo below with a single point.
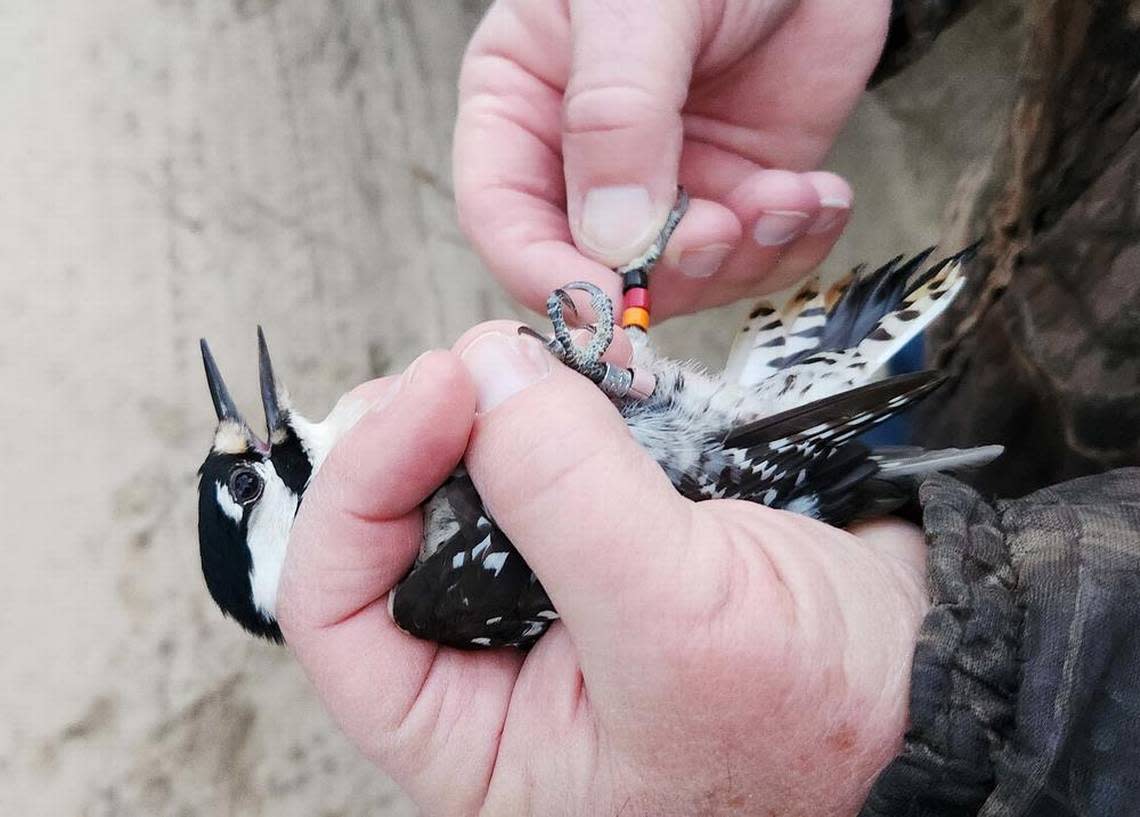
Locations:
(245, 485)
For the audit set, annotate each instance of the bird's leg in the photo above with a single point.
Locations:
(615, 381)
(648, 259)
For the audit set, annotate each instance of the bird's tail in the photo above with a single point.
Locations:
(897, 462)
(849, 328)
(901, 469)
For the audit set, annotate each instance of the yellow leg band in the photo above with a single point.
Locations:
(635, 316)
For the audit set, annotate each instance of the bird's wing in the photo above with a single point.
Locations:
(851, 327)
(806, 459)
(473, 590)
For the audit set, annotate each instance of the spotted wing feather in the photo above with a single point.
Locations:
(807, 459)
(472, 589)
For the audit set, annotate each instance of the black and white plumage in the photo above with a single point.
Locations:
(781, 430)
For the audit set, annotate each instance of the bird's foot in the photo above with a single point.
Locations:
(586, 360)
(616, 381)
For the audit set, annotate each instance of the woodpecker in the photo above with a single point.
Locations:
(779, 427)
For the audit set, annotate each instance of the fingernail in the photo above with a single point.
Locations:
(703, 262)
(775, 228)
(503, 365)
(831, 211)
(616, 219)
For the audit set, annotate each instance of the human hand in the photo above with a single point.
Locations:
(717, 657)
(577, 120)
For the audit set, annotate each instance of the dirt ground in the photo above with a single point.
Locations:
(171, 169)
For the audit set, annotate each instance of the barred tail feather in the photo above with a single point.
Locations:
(784, 325)
(852, 327)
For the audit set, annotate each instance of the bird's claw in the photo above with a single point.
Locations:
(568, 306)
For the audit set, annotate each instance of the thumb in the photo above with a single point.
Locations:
(591, 512)
(631, 63)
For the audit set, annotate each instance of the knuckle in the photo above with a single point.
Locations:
(611, 107)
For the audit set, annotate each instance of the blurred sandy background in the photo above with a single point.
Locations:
(177, 168)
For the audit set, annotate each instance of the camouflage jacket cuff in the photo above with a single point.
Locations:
(1024, 697)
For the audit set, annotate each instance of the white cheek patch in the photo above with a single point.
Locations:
(227, 503)
(267, 535)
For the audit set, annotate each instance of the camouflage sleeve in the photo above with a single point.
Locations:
(915, 24)
(1043, 344)
(1024, 693)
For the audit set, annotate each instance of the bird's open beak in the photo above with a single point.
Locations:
(274, 416)
(226, 409)
(224, 405)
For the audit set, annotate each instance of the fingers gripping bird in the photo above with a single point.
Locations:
(779, 427)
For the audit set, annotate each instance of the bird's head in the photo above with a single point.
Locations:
(248, 494)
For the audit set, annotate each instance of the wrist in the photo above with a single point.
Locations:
(900, 548)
